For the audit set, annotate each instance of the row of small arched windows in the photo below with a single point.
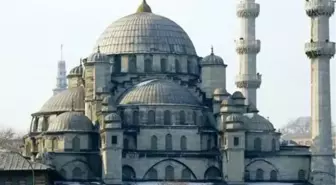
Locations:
(167, 117)
(168, 142)
(273, 175)
(149, 67)
(75, 144)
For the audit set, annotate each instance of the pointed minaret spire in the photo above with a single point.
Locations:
(144, 7)
(61, 80)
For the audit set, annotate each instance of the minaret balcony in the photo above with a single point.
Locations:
(317, 49)
(247, 46)
(248, 81)
(247, 10)
(317, 8)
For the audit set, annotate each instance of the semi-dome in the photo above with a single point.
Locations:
(76, 71)
(71, 121)
(145, 32)
(220, 91)
(256, 122)
(158, 92)
(237, 95)
(212, 59)
(69, 100)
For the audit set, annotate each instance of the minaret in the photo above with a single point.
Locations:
(61, 79)
(247, 47)
(319, 50)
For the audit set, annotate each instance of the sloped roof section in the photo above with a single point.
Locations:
(12, 161)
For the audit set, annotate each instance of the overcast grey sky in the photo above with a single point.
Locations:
(33, 30)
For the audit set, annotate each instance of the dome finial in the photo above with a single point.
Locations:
(144, 7)
(98, 49)
(212, 50)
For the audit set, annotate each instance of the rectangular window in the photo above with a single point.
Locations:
(236, 141)
(114, 140)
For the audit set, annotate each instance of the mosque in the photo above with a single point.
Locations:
(144, 108)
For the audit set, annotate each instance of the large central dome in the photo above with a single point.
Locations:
(145, 32)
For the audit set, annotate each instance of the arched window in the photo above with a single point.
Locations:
(128, 173)
(194, 117)
(189, 66)
(273, 175)
(169, 142)
(257, 144)
(63, 173)
(301, 175)
(54, 144)
(148, 66)
(76, 144)
(169, 173)
(135, 117)
(154, 143)
(247, 175)
(77, 173)
(164, 65)
(167, 118)
(152, 174)
(186, 174)
(212, 173)
(126, 143)
(260, 175)
(209, 143)
(183, 143)
(132, 68)
(151, 117)
(182, 117)
(117, 64)
(273, 145)
(177, 66)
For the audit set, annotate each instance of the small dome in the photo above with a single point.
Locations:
(227, 102)
(111, 118)
(252, 108)
(237, 95)
(220, 91)
(76, 71)
(212, 59)
(98, 57)
(69, 100)
(255, 122)
(234, 118)
(71, 121)
(158, 92)
(144, 7)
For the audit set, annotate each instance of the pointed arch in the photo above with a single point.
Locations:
(128, 173)
(169, 173)
(151, 117)
(257, 144)
(136, 117)
(183, 143)
(152, 174)
(164, 65)
(167, 117)
(273, 145)
(132, 67)
(194, 117)
(182, 117)
(169, 142)
(212, 173)
(301, 175)
(186, 174)
(273, 175)
(190, 66)
(170, 160)
(148, 65)
(154, 143)
(76, 144)
(177, 66)
(260, 175)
